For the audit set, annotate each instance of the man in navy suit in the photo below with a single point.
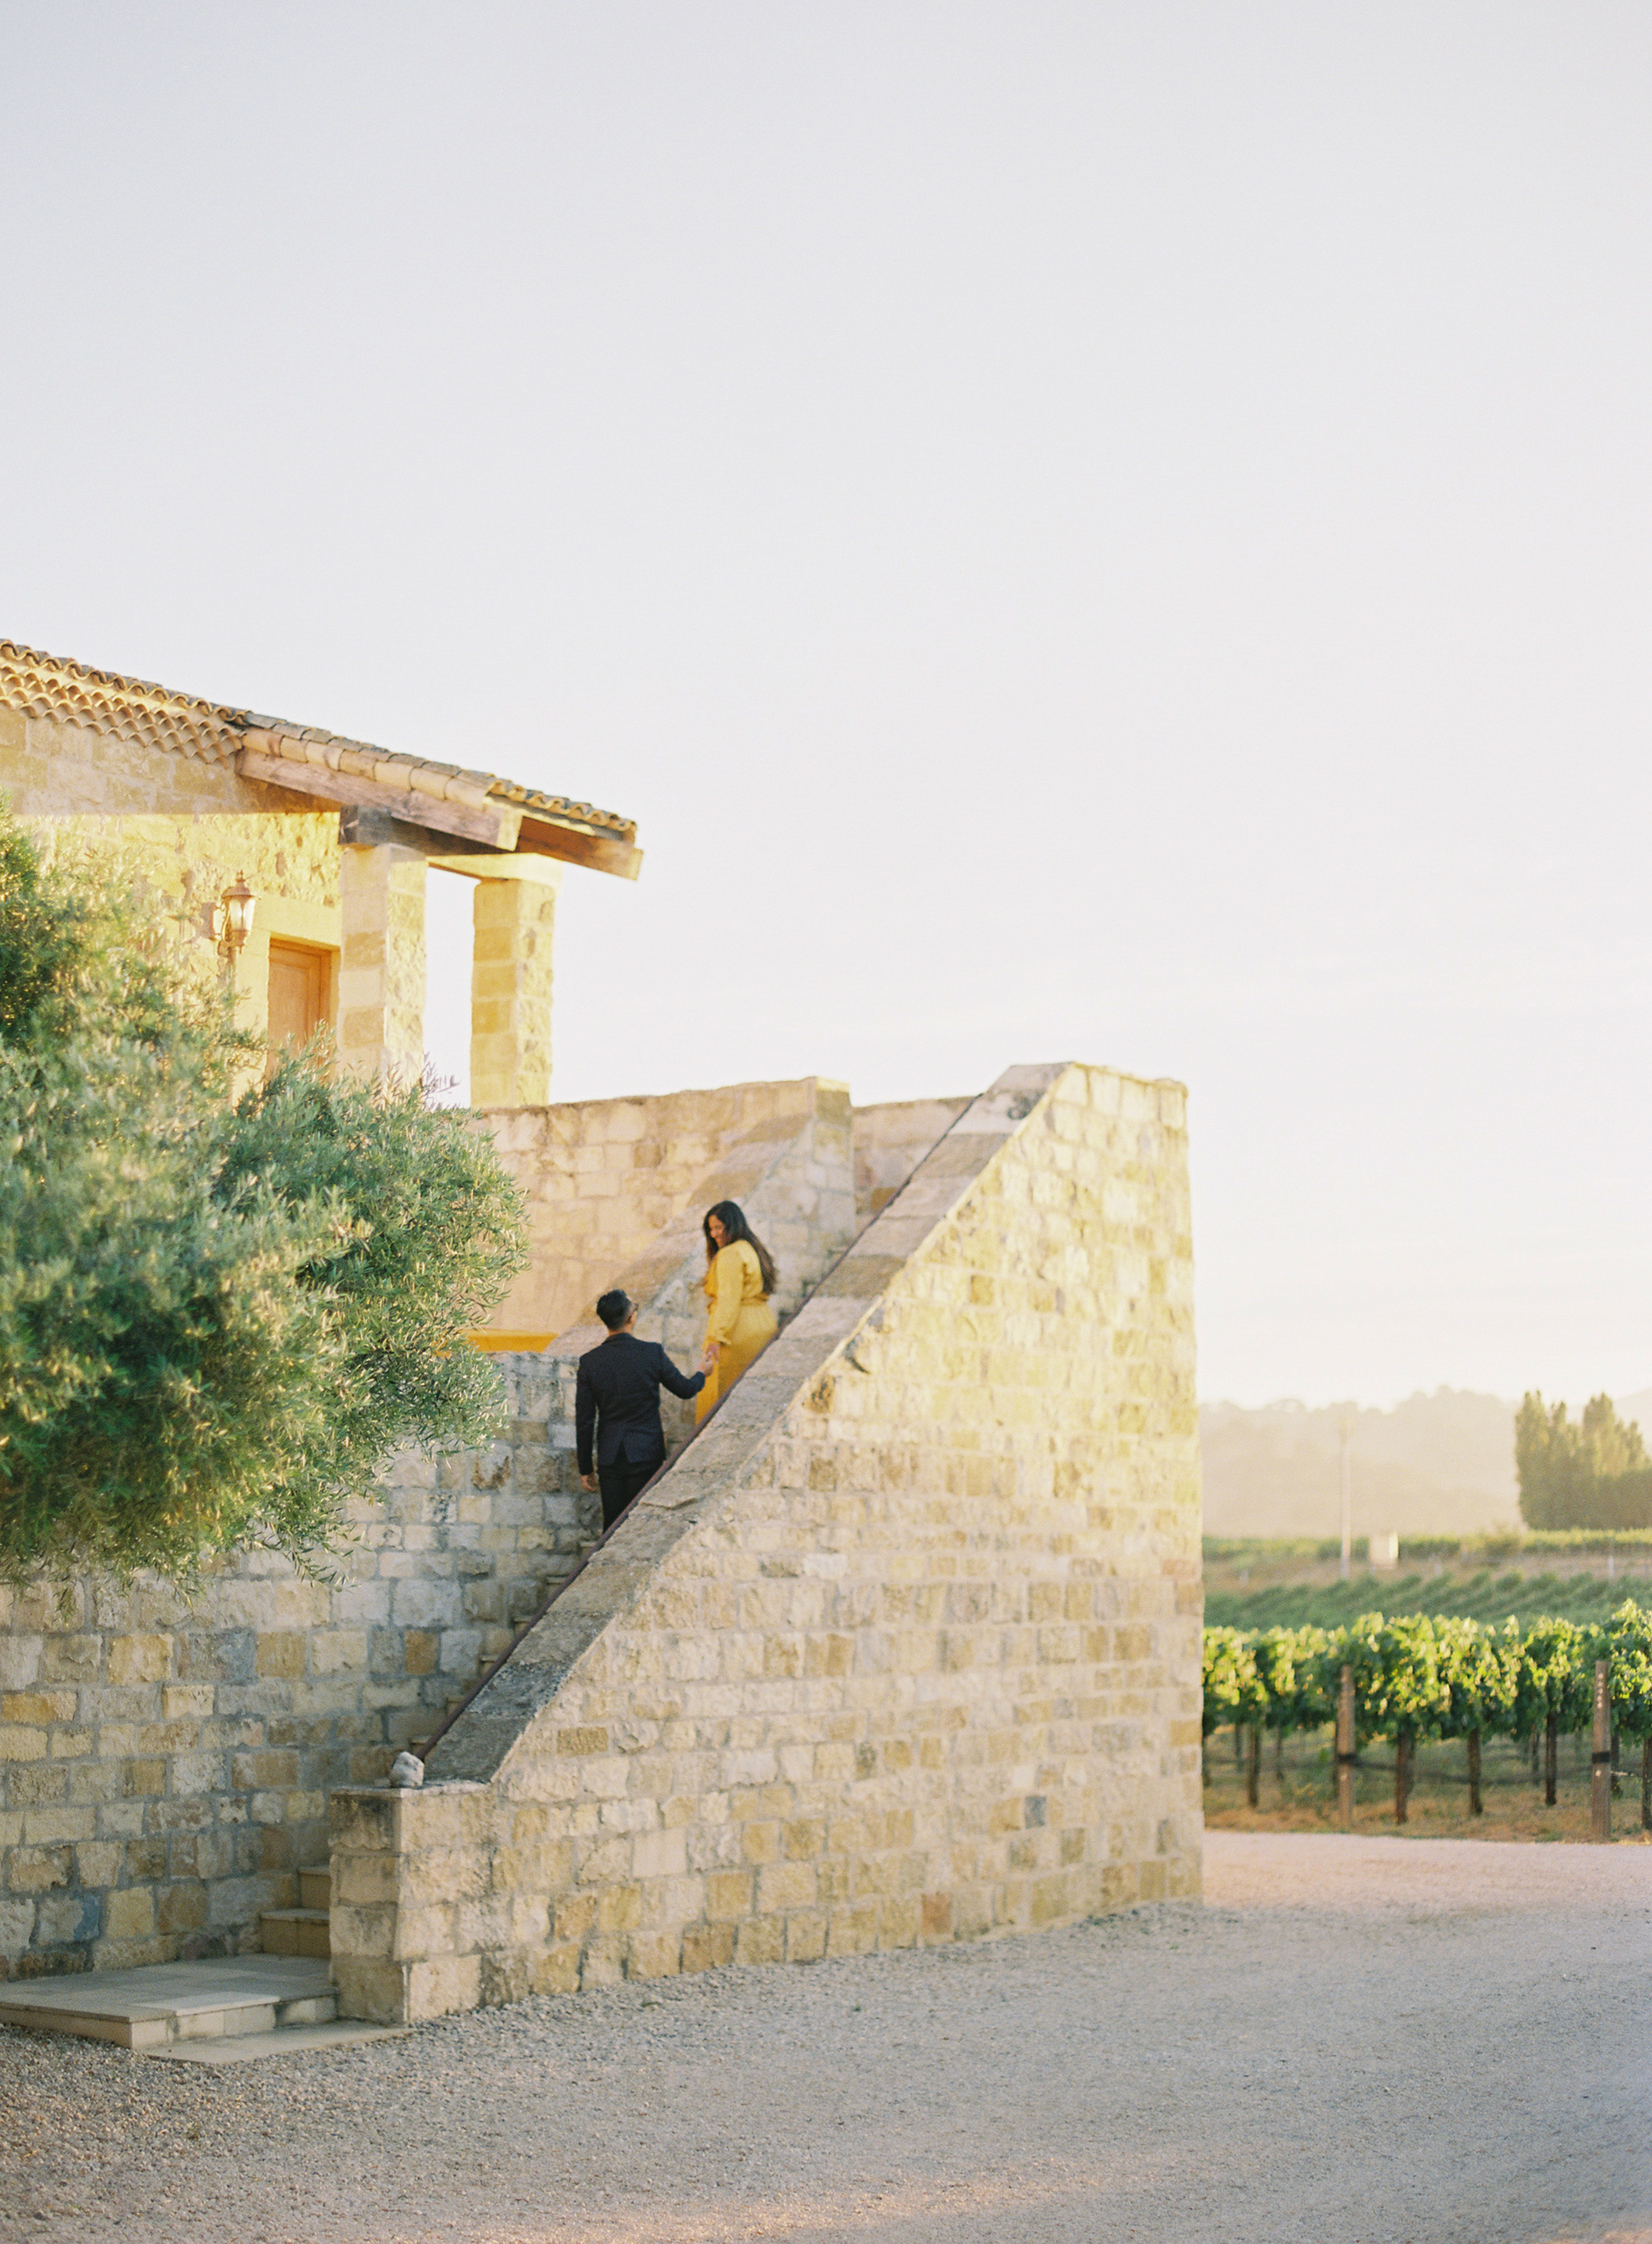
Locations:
(617, 1402)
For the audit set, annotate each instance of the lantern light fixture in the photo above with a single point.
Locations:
(238, 904)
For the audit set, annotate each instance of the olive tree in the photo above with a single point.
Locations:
(222, 1306)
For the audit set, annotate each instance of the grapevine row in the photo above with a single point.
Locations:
(1422, 1676)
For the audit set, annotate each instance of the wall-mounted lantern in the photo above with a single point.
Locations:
(236, 907)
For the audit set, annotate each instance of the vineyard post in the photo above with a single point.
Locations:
(1253, 1773)
(1551, 1760)
(1402, 1773)
(1600, 1755)
(1476, 1804)
(1646, 1783)
(1346, 1750)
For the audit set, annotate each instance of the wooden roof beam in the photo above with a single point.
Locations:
(492, 825)
(495, 825)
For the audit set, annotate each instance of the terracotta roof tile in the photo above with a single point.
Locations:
(49, 685)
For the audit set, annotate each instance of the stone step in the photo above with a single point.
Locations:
(316, 1887)
(289, 2041)
(160, 2004)
(296, 1932)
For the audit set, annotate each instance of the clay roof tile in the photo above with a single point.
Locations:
(49, 686)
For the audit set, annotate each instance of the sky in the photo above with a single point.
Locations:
(1092, 531)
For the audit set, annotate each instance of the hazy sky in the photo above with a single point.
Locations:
(1104, 531)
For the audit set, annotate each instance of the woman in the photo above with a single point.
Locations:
(739, 1277)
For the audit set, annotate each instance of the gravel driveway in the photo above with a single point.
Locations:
(1352, 2039)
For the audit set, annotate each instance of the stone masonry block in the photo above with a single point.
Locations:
(371, 1988)
(140, 1658)
(20, 1659)
(128, 1913)
(282, 1652)
(439, 1986)
(427, 1604)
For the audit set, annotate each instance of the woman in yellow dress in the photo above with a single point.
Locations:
(739, 1277)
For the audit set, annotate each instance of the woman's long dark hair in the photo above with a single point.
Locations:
(735, 1226)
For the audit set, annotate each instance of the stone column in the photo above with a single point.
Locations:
(510, 989)
(381, 965)
(407, 1923)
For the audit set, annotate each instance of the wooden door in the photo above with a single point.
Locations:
(297, 995)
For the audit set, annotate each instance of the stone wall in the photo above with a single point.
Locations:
(904, 1648)
(890, 1141)
(616, 1188)
(164, 1767)
(188, 827)
(790, 1172)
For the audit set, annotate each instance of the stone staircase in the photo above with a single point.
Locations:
(274, 2004)
(303, 1930)
(211, 2013)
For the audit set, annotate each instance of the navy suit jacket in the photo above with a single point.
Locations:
(616, 1398)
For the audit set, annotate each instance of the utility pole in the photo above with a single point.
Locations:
(1348, 1507)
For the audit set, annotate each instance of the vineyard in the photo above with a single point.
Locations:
(1487, 1594)
(1424, 1679)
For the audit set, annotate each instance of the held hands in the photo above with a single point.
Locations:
(708, 1360)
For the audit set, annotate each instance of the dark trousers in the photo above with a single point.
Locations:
(623, 1480)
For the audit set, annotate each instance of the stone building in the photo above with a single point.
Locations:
(904, 1645)
(333, 837)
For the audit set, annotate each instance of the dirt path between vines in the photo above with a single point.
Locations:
(1354, 2041)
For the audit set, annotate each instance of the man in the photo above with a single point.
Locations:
(616, 1401)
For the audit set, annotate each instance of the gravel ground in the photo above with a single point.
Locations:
(1352, 2041)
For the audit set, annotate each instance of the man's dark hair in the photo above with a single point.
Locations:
(614, 1308)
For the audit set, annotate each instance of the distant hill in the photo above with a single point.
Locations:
(1638, 1408)
(1435, 1464)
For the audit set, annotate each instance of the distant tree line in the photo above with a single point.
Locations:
(1591, 1471)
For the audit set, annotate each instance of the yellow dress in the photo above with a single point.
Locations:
(739, 1317)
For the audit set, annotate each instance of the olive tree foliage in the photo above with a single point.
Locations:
(221, 1309)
